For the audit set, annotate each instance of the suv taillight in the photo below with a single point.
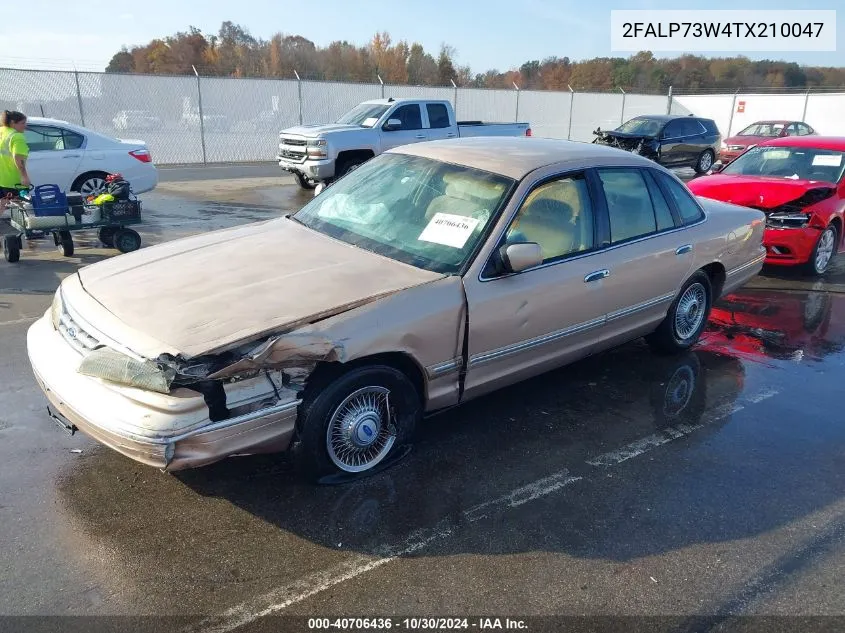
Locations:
(528, 132)
(142, 155)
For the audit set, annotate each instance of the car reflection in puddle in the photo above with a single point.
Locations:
(769, 324)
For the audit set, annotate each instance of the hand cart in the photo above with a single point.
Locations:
(67, 214)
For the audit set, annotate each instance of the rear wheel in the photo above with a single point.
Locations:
(824, 251)
(64, 243)
(127, 240)
(686, 319)
(357, 422)
(303, 182)
(90, 184)
(704, 162)
(106, 235)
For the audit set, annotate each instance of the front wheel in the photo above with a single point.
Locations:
(686, 319)
(357, 422)
(91, 184)
(704, 162)
(303, 182)
(824, 251)
(64, 243)
(126, 240)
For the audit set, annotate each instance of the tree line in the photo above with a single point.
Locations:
(234, 52)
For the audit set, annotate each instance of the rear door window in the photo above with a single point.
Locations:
(438, 115)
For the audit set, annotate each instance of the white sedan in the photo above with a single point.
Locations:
(78, 159)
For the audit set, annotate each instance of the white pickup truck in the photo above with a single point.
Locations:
(321, 153)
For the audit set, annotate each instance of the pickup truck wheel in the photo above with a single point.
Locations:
(304, 183)
(704, 162)
(346, 166)
(686, 319)
(357, 422)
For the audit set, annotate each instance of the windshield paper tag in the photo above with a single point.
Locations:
(827, 160)
(449, 230)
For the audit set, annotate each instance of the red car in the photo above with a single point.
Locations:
(797, 182)
(760, 132)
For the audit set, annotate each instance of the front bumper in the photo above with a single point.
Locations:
(789, 246)
(728, 155)
(168, 431)
(314, 169)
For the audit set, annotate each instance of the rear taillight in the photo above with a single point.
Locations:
(528, 132)
(142, 155)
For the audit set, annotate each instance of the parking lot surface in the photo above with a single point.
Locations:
(709, 484)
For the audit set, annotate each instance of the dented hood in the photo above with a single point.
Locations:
(203, 293)
(754, 191)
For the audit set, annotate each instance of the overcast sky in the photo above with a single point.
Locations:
(502, 35)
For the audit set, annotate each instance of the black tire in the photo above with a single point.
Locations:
(79, 184)
(126, 240)
(681, 393)
(347, 165)
(12, 248)
(667, 338)
(322, 403)
(705, 161)
(106, 235)
(64, 243)
(813, 267)
(304, 183)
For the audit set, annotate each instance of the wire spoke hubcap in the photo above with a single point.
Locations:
(689, 314)
(679, 391)
(825, 250)
(706, 161)
(360, 433)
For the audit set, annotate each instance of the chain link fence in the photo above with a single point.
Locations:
(219, 120)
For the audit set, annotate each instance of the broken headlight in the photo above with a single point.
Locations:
(114, 366)
(787, 220)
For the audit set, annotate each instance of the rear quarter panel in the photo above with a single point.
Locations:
(730, 235)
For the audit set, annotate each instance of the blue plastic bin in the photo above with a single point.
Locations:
(48, 200)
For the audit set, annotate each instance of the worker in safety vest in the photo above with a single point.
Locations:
(13, 154)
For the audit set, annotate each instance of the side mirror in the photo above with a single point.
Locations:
(320, 188)
(392, 125)
(717, 167)
(518, 257)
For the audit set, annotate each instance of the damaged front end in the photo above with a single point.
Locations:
(796, 214)
(173, 412)
(647, 146)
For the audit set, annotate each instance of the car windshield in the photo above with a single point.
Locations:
(763, 128)
(415, 210)
(641, 125)
(365, 114)
(796, 163)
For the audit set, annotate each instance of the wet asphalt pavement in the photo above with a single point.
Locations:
(711, 484)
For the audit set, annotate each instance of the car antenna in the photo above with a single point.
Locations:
(391, 100)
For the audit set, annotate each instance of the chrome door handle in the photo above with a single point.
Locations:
(596, 276)
(450, 135)
(71, 156)
(686, 248)
(420, 136)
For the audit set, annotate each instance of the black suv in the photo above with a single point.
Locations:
(671, 140)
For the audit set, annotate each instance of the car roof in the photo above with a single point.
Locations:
(835, 143)
(517, 156)
(391, 100)
(665, 118)
(784, 121)
(40, 120)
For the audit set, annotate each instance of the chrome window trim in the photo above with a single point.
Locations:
(595, 251)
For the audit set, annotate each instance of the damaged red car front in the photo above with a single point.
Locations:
(798, 183)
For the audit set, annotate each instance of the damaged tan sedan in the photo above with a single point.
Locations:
(431, 275)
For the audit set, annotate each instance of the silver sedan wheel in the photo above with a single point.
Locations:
(705, 162)
(360, 433)
(94, 186)
(824, 251)
(690, 311)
